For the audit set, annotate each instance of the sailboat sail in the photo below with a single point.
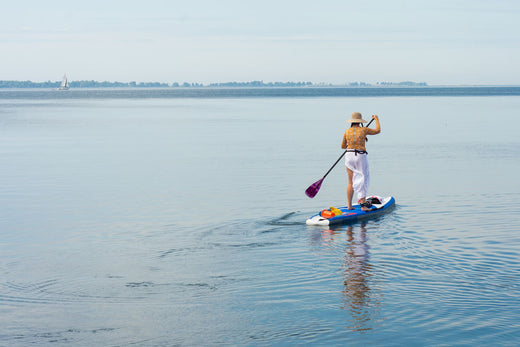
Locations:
(64, 83)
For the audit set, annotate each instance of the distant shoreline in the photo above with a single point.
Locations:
(251, 84)
(230, 85)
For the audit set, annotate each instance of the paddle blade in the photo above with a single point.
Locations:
(314, 189)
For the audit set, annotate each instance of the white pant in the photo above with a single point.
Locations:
(361, 178)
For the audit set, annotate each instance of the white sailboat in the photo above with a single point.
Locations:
(64, 83)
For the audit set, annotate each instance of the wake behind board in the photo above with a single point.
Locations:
(351, 216)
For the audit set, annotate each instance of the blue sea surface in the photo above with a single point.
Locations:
(157, 218)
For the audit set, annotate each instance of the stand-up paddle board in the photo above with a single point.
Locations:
(343, 215)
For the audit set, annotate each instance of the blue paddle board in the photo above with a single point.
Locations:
(351, 216)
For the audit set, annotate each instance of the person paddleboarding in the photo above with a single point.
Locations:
(356, 159)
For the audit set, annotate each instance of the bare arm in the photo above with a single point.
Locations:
(377, 130)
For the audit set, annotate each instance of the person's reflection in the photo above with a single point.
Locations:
(356, 277)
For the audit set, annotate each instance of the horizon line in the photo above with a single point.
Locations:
(26, 84)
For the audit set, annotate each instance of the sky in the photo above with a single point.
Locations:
(441, 42)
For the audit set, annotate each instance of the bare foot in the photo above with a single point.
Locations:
(366, 209)
(350, 208)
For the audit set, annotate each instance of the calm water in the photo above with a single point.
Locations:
(130, 219)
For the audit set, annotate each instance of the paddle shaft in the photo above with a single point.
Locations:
(337, 161)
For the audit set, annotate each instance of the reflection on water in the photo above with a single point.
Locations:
(359, 298)
(357, 273)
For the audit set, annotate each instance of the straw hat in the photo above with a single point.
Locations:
(356, 118)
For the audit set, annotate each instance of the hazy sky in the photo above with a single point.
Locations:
(433, 41)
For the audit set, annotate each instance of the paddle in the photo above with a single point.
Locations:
(315, 187)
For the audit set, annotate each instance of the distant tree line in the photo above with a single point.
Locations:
(406, 84)
(28, 84)
(82, 84)
(133, 84)
(398, 84)
(359, 84)
(261, 84)
(106, 84)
